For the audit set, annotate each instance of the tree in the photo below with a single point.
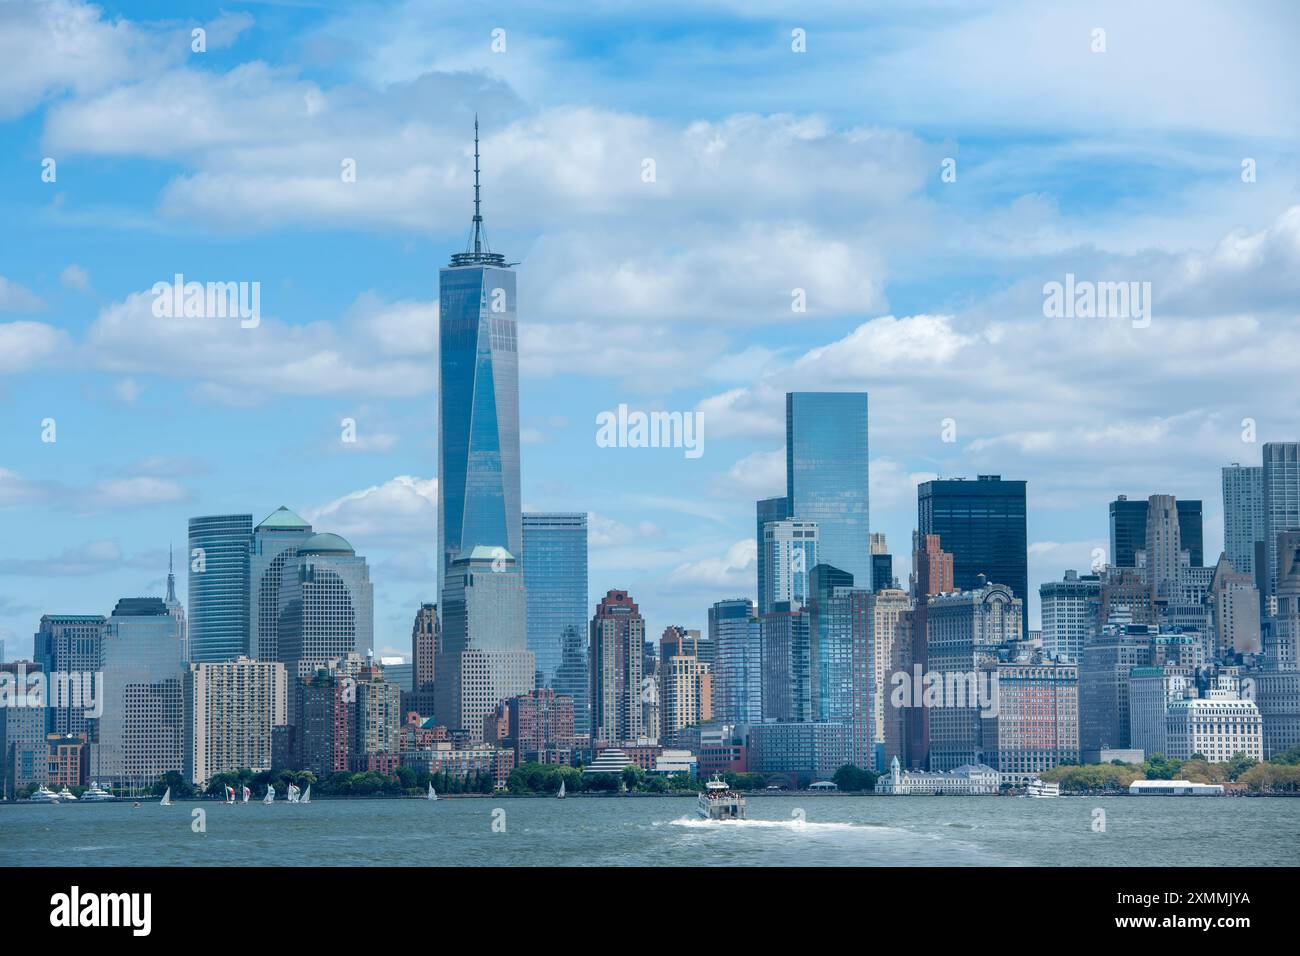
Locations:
(854, 779)
(632, 776)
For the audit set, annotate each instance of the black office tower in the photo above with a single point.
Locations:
(1128, 530)
(981, 524)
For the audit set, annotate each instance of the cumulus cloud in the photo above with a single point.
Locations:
(24, 345)
(401, 509)
(732, 573)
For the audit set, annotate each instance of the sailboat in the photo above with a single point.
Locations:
(432, 794)
(306, 797)
(560, 795)
(270, 795)
(293, 794)
(166, 801)
(247, 793)
(230, 794)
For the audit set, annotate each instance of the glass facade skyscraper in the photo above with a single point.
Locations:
(981, 524)
(1243, 514)
(1128, 530)
(555, 581)
(478, 408)
(275, 541)
(218, 587)
(738, 670)
(827, 474)
(768, 509)
(327, 605)
(1281, 501)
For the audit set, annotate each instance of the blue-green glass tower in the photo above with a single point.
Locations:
(218, 579)
(478, 408)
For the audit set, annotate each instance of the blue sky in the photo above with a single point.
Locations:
(775, 170)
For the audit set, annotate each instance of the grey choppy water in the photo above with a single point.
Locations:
(788, 830)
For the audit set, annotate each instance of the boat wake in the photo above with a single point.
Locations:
(803, 826)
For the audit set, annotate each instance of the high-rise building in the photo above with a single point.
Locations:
(827, 475)
(617, 659)
(965, 631)
(141, 734)
(981, 524)
(231, 708)
(1234, 602)
(932, 574)
(326, 605)
(70, 644)
(425, 638)
(768, 509)
(478, 407)
(787, 663)
(540, 724)
(1128, 529)
(1282, 649)
(176, 609)
(686, 691)
(555, 581)
(1071, 611)
(218, 587)
(889, 613)
(1243, 514)
(24, 750)
(882, 563)
(275, 543)
(791, 548)
(1104, 670)
(378, 714)
(1281, 478)
(738, 676)
(1035, 725)
(1150, 692)
(485, 657)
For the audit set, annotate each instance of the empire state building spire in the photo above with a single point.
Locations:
(477, 251)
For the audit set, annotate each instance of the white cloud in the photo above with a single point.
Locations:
(404, 508)
(16, 298)
(76, 278)
(26, 344)
(732, 573)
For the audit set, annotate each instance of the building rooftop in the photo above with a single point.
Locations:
(326, 543)
(282, 519)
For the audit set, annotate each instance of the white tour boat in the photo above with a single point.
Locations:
(1037, 788)
(720, 802)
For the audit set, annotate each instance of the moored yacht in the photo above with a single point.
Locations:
(66, 795)
(44, 794)
(96, 794)
(720, 802)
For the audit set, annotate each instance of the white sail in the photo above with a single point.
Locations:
(306, 797)
(561, 793)
(270, 795)
(293, 793)
(167, 798)
(247, 793)
(432, 794)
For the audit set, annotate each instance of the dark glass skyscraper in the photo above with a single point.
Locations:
(981, 524)
(555, 579)
(827, 474)
(1128, 530)
(478, 433)
(218, 587)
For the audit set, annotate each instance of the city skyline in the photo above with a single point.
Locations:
(166, 422)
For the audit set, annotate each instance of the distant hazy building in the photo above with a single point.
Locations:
(219, 587)
(791, 551)
(555, 581)
(1277, 695)
(1282, 649)
(738, 674)
(231, 708)
(326, 605)
(617, 659)
(981, 524)
(485, 657)
(827, 465)
(275, 542)
(69, 644)
(1243, 514)
(1218, 726)
(1071, 614)
(141, 734)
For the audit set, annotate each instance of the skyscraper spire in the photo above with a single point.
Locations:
(171, 579)
(477, 251)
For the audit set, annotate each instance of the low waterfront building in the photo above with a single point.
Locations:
(609, 760)
(676, 761)
(446, 757)
(1175, 788)
(972, 780)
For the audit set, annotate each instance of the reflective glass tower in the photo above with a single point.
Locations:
(826, 475)
(555, 580)
(478, 408)
(218, 585)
